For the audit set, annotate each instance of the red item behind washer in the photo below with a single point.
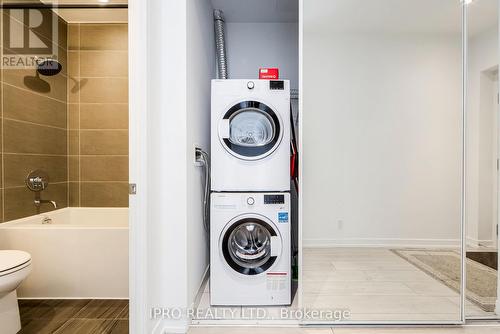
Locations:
(269, 73)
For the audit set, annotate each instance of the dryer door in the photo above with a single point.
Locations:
(250, 244)
(250, 130)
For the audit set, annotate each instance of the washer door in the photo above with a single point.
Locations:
(250, 130)
(250, 244)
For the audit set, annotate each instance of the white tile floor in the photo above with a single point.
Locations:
(373, 283)
(376, 284)
(491, 329)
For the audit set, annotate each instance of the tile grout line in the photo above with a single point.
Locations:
(79, 121)
(68, 169)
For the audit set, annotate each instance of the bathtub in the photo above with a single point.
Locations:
(83, 253)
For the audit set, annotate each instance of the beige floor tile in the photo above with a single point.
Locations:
(216, 313)
(430, 288)
(388, 305)
(413, 275)
(430, 330)
(343, 276)
(356, 288)
(372, 265)
(258, 330)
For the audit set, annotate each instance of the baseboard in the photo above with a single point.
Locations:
(201, 288)
(471, 242)
(381, 242)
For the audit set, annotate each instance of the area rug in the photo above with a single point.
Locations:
(444, 265)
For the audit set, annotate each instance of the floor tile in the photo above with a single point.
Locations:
(258, 330)
(86, 326)
(102, 309)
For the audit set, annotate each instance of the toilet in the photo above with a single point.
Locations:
(15, 266)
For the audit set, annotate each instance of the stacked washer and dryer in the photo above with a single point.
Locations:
(250, 219)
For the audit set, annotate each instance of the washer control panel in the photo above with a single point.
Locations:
(274, 199)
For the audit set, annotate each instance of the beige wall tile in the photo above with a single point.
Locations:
(74, 64)
(18, 202)
(73, 36)
(104, 194)
(29, 138)
(73, 142)
(74, 194)
(62, 58)
(54, 86)
(27, 106)
(104, 90)
(104, 142)
(74, 88)
(17, 166)
(104, 168)
(104, 116)
(73, 116)
(103, 64)
(103, 37)
(1, 205)
(74, 168)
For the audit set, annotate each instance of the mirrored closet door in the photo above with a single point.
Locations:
(482, 161)
(383, 155)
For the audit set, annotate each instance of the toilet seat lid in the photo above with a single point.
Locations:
(10, 259)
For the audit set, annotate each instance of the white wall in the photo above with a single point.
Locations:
(200, 70)
(251, 46)
(481, 134)
(178, 84)
(167, 192)
(381, 138)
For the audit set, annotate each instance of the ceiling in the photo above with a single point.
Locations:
(258, 10)
(98, 15)
(398, 16)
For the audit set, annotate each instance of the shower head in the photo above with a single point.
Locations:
(48, 67)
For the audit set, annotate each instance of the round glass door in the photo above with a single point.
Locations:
(246, 246)
(253, 130)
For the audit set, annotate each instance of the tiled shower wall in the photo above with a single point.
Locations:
(98, 115)
(77, 131)
(33, 131)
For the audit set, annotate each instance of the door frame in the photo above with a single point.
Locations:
(138, 106)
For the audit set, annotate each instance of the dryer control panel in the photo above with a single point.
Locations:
(274, 199)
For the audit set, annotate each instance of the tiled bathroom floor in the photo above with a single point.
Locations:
(103, 316)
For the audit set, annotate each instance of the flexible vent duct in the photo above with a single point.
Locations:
(220, 44)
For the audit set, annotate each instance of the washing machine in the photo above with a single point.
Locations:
(250, 135)
(250, 249)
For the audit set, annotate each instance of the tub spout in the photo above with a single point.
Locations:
(39, 202)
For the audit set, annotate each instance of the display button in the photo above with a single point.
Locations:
(250, 201)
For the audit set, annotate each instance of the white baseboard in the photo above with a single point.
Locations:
(170, 327)
(471, 242)
(381, 242)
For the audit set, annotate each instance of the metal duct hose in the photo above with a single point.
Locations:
(220, 44)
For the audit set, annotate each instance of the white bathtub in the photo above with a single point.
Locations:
(83, 253)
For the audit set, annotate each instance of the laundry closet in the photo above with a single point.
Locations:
(384, 232)
(243, 59)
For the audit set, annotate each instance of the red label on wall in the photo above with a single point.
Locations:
(269, 73)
